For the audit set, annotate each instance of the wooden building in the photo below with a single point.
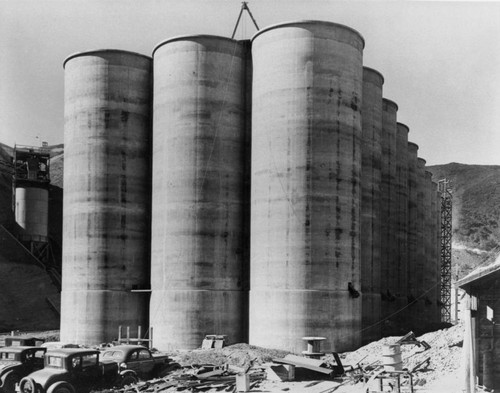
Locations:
(482, 327)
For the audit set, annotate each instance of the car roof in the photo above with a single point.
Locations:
(65, 352)
(19, 348)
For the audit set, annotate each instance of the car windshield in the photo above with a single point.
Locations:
(54, 361)
(112, 355)
(7, 356)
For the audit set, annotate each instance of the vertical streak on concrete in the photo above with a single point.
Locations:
(198, 248)
(370, 204)
(388, 212)
(306, 164)
(106, 194)
(412, 230)
(401, 235)
(421, 257)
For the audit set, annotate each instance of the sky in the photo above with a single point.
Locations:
(440, 60)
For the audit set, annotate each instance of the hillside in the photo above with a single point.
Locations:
(476, 212)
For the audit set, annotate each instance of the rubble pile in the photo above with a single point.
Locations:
(427, 365)
(241, 355)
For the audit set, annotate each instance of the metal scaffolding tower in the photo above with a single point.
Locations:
(446, 233)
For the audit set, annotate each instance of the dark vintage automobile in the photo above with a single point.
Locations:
(138, 359)
(17, 362)
(70, 370)
(23, 341)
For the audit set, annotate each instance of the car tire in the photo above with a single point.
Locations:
(27, 385)
(61, 387)
(9, 381)
(127, 379)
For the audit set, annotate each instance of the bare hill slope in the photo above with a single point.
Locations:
(476, 212)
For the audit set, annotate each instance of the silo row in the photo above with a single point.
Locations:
(328, 215)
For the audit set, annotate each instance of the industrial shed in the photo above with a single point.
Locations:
(482, 327)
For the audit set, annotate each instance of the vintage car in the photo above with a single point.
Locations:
(138, 359)
(70, 370)
(16, 363)
(23, 341)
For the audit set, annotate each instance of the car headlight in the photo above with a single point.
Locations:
(123, 365)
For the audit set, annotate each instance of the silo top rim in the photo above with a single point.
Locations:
(188, 36)
(403, 125)
(428, 173)
(412, 144)
(421, 160)
(376, 72)
(95, 51)
(390, 102)
(307, 22)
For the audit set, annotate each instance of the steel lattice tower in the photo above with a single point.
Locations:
(446, 232)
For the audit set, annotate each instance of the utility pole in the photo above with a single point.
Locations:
(244, 6)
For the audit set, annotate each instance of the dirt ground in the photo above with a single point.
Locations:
(436, 370)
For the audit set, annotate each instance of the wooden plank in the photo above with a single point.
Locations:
(304, 363)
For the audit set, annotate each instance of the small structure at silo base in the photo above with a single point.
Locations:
(31, 182)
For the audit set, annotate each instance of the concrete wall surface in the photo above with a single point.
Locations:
(106, 195)
(306, 195)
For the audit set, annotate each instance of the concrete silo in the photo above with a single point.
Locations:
(401, 235)
(199, 266)
(371, 150)
(413, 225)
(388, 213)
(306, 194)
(421, 256)
(106, 194)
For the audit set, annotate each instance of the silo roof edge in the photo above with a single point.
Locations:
(186, 36)
(307, 21)
(391, 102)
(376, 72)
(93, 51)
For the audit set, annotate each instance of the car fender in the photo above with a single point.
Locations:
(128, 372)
(53, 388)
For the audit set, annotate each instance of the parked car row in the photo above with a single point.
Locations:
(37, 369)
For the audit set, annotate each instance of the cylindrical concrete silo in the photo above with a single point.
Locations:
(389, 215)
(413, 225)
(106, 194)
(199, 266)
(421, 247)
(371, 151)
(430, 227)
(401, 235)
(306, 167)
(32, 211)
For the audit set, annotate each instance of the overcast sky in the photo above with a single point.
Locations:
(440, 60)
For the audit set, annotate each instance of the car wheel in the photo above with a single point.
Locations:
(128, 379)
(9, 381)
(61, 387)
(27, 385)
